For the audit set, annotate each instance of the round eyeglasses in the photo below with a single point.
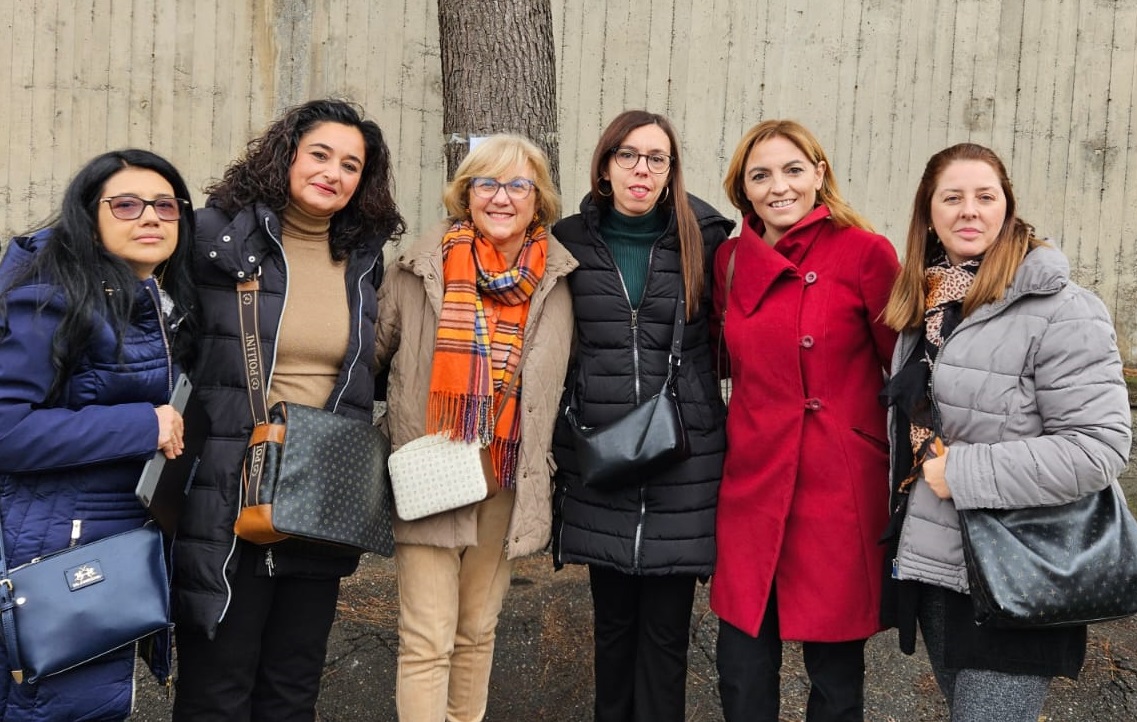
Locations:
(629, 158)
(130, 208)
(518, 189)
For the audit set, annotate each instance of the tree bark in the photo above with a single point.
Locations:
(498, 74)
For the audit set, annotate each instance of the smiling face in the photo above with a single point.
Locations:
(146, 241)
(502, 219)
(636, 190)
(326, 169)
(781, 184)
(968, 209)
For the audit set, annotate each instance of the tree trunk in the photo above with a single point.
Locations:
(498, 74)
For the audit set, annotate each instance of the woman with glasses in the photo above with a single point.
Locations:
(643, 245)
(475, 323)
(804, 495)
(305, 212)
(96, 321)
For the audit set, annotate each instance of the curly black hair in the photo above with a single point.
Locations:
(261, 175)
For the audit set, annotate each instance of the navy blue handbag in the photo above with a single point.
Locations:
(67, 608)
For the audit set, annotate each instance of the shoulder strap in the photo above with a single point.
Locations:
(247, 292)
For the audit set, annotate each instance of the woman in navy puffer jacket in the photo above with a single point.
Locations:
(95, 319)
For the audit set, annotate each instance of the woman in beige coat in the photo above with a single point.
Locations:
(494, 273)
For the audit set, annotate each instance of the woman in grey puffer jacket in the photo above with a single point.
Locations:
(1016, 369)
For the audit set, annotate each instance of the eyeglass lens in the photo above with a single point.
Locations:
(517, 189)
(130, 208)
(628, 158)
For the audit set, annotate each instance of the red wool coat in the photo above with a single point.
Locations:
(804, 494)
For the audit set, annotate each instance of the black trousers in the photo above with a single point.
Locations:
(750, 684)
(266, 661)
(642, 628)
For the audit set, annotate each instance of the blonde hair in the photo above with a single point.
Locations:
(735, 182)
(905, 309)
(491, 158)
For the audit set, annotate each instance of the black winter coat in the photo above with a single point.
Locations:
(664, 524)
(226, 251)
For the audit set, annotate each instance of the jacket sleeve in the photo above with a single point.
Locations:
(879, 268)
(35, 437)
(388, 329)
(1082, 400)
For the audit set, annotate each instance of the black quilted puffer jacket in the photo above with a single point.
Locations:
(665, 523)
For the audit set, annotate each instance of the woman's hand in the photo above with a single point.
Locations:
(170, 429)
(934, 469)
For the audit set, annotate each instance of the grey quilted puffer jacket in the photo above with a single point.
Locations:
(1034, 412)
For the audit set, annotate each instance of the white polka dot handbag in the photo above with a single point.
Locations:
(435, 473)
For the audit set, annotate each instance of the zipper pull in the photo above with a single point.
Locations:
(635, 318)
(269, 563)
(895, 569)
(76, 529)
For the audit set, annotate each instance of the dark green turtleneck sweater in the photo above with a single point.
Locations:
(630, 239)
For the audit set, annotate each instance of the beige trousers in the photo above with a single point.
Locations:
(449, 602)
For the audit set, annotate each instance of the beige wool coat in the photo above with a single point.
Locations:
(410, 300)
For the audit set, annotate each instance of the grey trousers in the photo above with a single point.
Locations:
(978, 695)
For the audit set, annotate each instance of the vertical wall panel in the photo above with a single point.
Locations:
(1050, 84)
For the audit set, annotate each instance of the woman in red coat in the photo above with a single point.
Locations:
(804, 495)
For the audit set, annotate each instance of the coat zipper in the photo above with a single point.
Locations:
(637, 549)
(156, 299)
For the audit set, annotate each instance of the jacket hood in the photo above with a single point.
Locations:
(705, 214)
(20, 253)
(1044, 270)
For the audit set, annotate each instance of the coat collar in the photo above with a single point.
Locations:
(424, 257)
(758, 265)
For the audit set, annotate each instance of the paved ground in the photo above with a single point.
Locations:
(543, 665)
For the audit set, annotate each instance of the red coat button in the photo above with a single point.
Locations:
(807, 341)
(811, 277)
(813, 404)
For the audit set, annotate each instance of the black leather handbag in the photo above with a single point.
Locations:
(70, 607)
(647, 438)
(310, 474)
(1052, 566)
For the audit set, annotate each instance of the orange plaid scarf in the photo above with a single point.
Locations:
(474, 359)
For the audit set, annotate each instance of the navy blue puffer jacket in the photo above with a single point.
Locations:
(70, 466)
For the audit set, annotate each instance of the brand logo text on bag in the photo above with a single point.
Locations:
(84, 575)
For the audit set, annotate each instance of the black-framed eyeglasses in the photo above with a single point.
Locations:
(629, 158)
(518, 189)
(130, 208)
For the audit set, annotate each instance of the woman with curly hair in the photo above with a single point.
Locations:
(306, 211)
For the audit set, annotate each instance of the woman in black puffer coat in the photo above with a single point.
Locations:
(641, 241)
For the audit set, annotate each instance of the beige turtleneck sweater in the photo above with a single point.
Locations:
(315, 326)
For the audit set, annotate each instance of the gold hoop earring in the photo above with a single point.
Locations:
(600, 187)
(666, 194)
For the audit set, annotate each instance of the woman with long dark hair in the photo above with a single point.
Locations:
(643, 243)
(306, 211)
(97, 317)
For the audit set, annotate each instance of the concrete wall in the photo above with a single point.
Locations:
(1049, 84)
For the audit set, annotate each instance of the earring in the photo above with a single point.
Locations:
(600, 187)
(666, 194)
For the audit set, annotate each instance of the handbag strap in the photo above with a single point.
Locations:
(7, 617)
(676, 355)
(247, 293)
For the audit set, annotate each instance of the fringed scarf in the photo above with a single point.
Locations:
(481, 330)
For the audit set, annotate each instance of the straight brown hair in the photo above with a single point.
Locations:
(690, 236)
(905, 309)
